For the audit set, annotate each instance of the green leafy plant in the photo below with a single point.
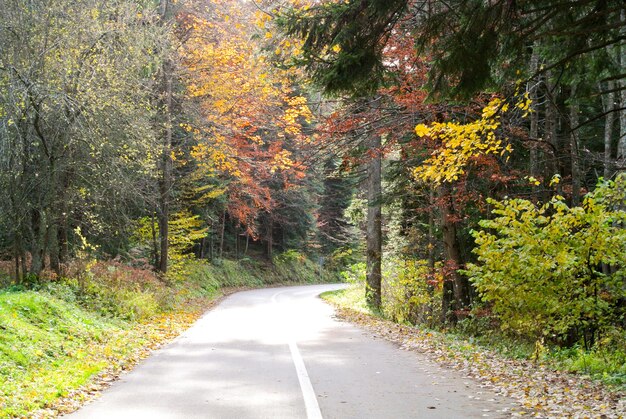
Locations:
(541, 267)
(411, 290)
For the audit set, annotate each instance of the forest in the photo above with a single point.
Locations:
(460, 163)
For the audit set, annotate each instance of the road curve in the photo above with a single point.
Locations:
(279, 353)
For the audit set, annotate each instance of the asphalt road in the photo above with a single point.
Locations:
(279, 353)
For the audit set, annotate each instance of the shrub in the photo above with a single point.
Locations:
(355, 274)
(411, 291)
(293, 266)
(541, 266)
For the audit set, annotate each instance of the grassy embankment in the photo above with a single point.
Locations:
(63, 340)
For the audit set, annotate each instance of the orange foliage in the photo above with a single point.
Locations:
(252, 116)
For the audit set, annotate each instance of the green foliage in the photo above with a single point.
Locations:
(231, 273)
(541, 266)
(185, 230)
(200, 280)
(293, 266)
(411, 291)
(352, 297)
(76, 126)
(607, 364)
(355, 274)
(343, 42)
(113, 290)
(341, 258)
(356, 212)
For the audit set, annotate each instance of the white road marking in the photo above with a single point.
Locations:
(308, 394)
(310, 399)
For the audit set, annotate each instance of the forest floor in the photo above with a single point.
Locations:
(542, 391)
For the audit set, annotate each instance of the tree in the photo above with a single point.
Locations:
(341, 55)
(67, 74)
(250, 129)
(541, 266)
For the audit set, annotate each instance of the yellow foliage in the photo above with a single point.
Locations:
(460, 143)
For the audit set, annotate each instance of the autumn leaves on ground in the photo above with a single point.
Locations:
(461, 161)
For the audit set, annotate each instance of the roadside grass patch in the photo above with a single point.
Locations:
(49, 347)
(352, 297)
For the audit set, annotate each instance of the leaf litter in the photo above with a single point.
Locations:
(539, 391)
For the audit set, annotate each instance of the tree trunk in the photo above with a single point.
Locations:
(374, 224)
(222, 233)
(53, 245)
(270, 239)
(457, 292)
(609, 121)
(155, 241)
(621, 145)
(574, 121)
(534, 115)
(551, 129)
(17, 254)
(38, 237)
(166, 168)
(431, 228)
(62, 236)
(237, 242)
(211, 239)
(201, 250)
(165, 182)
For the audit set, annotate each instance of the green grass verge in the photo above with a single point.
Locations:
(352, 297)
(50, 347)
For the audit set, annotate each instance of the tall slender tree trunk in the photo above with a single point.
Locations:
(621, 143)
(166, 164)
(551, 128)
(155, 240)
(202, 248)
(211, 239)
(374, 224)
(222, 232)
(237, 242)
(609, 121)
(165, 183)
(431, 228)
(16, 255)
(38, 238)
(53, 246)
(574, 121)
(270, 239)
(22, 253)
(534, 115)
